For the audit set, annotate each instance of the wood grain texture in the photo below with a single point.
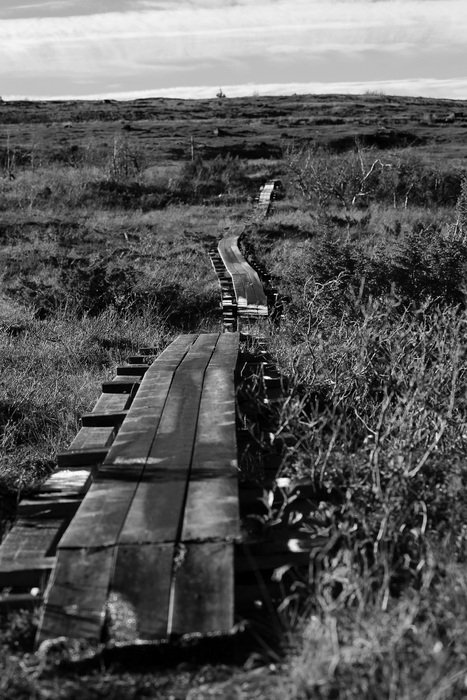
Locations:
(138, 604)
(68, 482)
(101, 420)
(81, 458)
(44, 506)
(91, 437)
(76, 597)
(26, 573)
(203, 590)
(211, 510)
(165, 499)
(112, 403)
(137, 432)
(100, 517)
(248, 289)
(31, 538)
(157, 508)
(212, 501)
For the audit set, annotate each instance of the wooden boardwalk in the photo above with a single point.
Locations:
(133, 537)
(243, 295)
(250, 296)
(149, 551)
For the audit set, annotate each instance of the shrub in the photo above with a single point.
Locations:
(203, 179)
(359, 177)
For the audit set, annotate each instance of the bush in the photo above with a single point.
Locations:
(427, 264)
(204, 179)
(360, 177)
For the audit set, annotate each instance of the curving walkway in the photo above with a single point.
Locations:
(132, 538)
(243, 295)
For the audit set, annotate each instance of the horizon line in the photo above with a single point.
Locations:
(448, 89)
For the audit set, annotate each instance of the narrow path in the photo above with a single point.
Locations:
(243, 295)
(133, 537)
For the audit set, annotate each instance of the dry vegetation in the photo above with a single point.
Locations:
(104, 249)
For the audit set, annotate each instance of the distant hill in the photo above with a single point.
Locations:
(253, 127)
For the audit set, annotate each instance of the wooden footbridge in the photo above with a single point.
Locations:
(133, 536)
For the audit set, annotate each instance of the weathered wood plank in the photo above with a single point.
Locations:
(26, 573)
(154, 519)
(122, 386)
(136, 435)
(81, 458)
(31, 538)
(90, 437)
(203, 589)
(226, 352)
(20, 601)
(138, 604)
(112, 403)
(139, 359)
(76, 597)
(68, 482)
(211, 510)
(248, 289)
(45, 506)
(99, 518)
(101, 420)
(155, 512)
(171, 452)
(132, 370)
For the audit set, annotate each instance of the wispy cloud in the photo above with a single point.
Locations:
(162, 44)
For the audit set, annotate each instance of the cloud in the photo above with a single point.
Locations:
(237, 40)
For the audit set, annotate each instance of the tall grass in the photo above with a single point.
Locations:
(51, 373)
(373, 420)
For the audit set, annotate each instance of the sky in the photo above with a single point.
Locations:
(191, 48)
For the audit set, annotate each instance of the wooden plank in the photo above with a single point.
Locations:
(100, 516)
(110, 403)
(26, 573)
(154, 519)
(211, 510)
(248, 289)
(203, 586)
(138, 604)
(31, 538)
(155, 512)
(100, 420)
(68, 482)
(132, 370)
(76, 597)
(226, 352)
(122, 386)
(81, 458)
(171, 452)
(19, 601)
(136, 435)
(212, 500)
(45, 506)
(90, 437)
(203, 594)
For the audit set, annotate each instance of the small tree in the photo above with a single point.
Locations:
(327, 178)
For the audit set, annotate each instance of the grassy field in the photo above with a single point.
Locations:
(108, 210)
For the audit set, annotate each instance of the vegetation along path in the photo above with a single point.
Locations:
(132, 537)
